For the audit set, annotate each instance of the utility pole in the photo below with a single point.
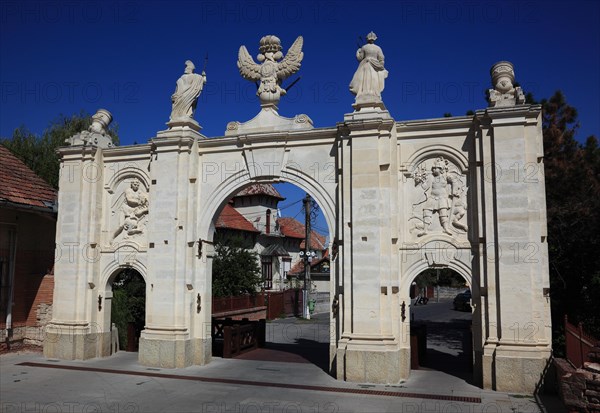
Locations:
(307, 206)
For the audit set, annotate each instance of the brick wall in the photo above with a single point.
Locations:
(32, 312)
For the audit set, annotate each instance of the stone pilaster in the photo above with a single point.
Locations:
(167, 340)
(517, 342)
(72, 334)
(368, 349)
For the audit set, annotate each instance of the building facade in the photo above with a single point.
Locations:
(253, 216)
(27, 236)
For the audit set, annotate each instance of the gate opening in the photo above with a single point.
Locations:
(128, 308)
(262, 308)
(441, 319)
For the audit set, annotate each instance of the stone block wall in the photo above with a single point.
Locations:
(580, 388)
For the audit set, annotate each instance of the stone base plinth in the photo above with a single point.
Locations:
(520, 369)
(268, 120)
(372, 363)
(178, 353)
(76, 345)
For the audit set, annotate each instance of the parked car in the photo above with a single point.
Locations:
(462, 301)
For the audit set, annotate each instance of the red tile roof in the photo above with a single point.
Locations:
(290, 227)
(298, 267)
(260, 189)
(230, 218)
(20, 185)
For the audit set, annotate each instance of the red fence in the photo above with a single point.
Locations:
(241, 302)
(279, 303)
(284, 303)
(578, 344)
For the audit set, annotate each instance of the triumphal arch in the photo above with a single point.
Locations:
(399, 197)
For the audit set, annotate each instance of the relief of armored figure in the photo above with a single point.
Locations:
(133, 210)
(443, 192)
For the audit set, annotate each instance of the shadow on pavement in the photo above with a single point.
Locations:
(309, 350)
(295, 340)
(449, 348)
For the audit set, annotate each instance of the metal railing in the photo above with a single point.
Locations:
(578, 344)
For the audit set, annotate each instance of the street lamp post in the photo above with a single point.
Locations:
(307, 256)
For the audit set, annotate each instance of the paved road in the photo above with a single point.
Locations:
(439, 312)
(449, 341)
(295, 383)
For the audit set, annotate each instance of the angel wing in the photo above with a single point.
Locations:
(291, 62)
(248, 69)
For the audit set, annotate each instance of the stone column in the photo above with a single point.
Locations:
(368, 349)
(166, 341)
(72, 333)
(515, 274)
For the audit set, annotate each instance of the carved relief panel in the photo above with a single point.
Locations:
(128, 213)
(437, 199)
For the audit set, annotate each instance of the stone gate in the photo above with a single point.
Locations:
(399, 197)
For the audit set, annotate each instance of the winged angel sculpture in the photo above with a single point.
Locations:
(273, 68)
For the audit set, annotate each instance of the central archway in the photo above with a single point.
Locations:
(282, 344)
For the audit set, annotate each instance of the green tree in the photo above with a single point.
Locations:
(572, 174)
(39, 152)
(444, 277)
(235, 269)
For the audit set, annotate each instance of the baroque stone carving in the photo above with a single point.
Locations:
(504, 93)
(272, 70)
(369, 79)
(187, 90)
(97, 133)
(441, 191)
(133, 211)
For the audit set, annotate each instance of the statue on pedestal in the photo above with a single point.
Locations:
(369, 80)
(100, 121)
(188, 89)
(274, 68)
(504, 93)
(97, 133)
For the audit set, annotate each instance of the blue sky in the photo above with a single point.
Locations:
(125, 56)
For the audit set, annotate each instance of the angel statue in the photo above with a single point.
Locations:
(272, 70)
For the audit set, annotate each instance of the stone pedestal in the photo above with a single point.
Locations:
(373, 359)
(269, 120)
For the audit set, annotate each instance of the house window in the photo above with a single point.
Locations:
(268, 219)
(267, 272)
(287, 265)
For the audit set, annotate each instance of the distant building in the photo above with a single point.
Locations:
(252, 215)
(27, 248)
